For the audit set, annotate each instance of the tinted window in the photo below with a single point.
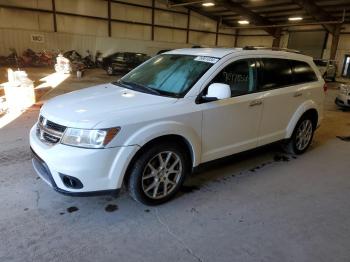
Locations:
(303, 72)
(275, 73)
(240, 76)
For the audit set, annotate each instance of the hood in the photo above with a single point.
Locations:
(88, 107)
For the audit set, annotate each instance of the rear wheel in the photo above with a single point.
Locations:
(158, 174)
(302, 136)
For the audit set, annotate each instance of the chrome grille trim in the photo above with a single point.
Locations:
(49, 132)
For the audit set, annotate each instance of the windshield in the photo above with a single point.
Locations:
(170, 75)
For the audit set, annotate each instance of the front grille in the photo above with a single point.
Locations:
(48, 131)
(51, 139)
(55, 126)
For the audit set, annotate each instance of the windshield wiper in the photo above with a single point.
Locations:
(138, 87)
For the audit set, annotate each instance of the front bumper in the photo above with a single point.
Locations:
(343, 100)
(99, 170)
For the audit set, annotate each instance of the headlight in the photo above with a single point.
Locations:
(93, 138)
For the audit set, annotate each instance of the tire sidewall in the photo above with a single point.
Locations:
(135, 181)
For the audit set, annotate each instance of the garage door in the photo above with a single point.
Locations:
(310, 43)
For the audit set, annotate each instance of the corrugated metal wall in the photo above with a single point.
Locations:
(254, 37)
(17, 26)
(310, 43)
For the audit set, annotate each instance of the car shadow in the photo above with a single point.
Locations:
(238, 165)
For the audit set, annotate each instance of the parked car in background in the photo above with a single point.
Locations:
(343, 97)
(122, 62)
(328, 68)
(72, 55)
(176, 111)
(76, 60)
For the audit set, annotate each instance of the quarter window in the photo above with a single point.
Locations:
(275, 73)
(303, 73)
(240, 76)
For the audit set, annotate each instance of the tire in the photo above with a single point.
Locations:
(110, 70)
(152, 183)
(295, 145)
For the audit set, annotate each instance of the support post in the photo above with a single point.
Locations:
(152, 28)
(217, 33)
(276, 41)
(109, 18)
(277, 38)
(188, 26)
(54, 16)
(335, 41)
(236, 37)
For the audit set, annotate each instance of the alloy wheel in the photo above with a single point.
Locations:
(162, 174)
(304, 134)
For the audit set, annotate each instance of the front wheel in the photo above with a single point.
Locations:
(302, 136)
(158, 174)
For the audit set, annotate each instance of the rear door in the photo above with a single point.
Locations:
(286, 84)
(281, 98)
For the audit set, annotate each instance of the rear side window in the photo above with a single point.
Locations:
(275, 73)
(303, 73)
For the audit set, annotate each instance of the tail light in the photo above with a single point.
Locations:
(325, 87)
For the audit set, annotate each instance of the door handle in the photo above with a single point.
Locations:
(297, 94)
(256, 103)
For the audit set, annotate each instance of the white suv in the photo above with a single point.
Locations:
(173, 113)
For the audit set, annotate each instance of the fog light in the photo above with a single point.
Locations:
(71, 182)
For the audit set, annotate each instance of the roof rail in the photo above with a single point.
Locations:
(271, 48)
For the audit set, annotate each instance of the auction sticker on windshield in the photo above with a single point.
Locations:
(207, 59)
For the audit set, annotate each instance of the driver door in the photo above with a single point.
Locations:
(231, 125)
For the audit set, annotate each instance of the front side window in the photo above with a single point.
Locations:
(275, 73)
(240, 76)
(171, 75)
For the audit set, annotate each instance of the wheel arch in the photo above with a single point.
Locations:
(307, 108)
(179, 139)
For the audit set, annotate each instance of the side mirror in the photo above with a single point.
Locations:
(217, 91)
